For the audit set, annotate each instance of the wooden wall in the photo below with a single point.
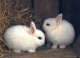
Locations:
(42, 9)
(45, 8)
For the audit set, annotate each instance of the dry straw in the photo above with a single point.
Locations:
(12, 13)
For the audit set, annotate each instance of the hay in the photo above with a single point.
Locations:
(12, 13)
(3, 50)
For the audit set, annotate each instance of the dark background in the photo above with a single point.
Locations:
(71, 12)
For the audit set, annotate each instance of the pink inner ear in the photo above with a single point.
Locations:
(32, 28)
(59, 19)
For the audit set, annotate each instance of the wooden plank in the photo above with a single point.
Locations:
(77, 46)
(47, 53)
(45, 8)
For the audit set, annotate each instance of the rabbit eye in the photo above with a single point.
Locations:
(48, 24)
(39, 38)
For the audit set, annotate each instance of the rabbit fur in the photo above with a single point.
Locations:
(21, 38)
(59, 32)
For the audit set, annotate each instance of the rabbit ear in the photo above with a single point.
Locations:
(58, 19)
(32, 27)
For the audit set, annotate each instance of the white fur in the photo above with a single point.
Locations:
(60, 35)
(19, 38)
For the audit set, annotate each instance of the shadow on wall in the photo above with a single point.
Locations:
(71, 12)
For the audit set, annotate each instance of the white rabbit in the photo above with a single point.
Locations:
(21, 38)
(59, 32)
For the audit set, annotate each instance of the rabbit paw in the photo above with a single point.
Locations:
(62, 46)
(31, 51)
(54, 46)
(17, 51)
